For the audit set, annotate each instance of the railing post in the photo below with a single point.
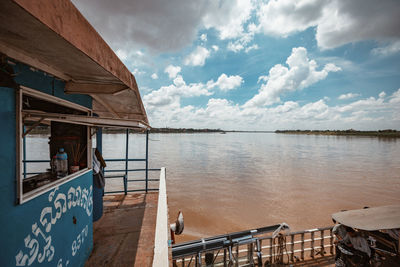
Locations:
(237, 256)
(125, 184)
(302, 246)
(126, 153)
(147, 159)
(250, 254)
(259, 253)
(270, 251)
(312, 245)
(322, 243)
(331, 241)
(292, 247)
(225, 257)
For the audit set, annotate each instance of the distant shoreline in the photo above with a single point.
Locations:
(380, 133)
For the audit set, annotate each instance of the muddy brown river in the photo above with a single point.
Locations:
(237, 181)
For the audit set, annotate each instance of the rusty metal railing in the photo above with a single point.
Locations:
(287, 249)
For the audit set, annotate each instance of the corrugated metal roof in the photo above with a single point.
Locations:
(371, 219)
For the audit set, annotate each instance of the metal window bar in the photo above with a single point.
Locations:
(126, 170)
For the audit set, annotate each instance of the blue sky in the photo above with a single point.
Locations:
(259, 65)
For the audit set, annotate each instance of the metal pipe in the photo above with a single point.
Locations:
(24, 152)
(99, 139)
(147, 159)
(126, 152)
(125, 159)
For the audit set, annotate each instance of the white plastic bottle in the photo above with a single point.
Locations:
(62, 163)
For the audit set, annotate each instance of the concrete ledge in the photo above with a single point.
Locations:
(161, 252)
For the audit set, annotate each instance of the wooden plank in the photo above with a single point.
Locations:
(104, 104)
(21, 56)
(72, 87)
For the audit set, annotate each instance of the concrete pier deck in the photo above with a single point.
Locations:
(125, 235)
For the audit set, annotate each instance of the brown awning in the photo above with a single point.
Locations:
(371, 219)
(53, 36)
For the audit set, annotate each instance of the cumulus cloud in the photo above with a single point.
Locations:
(337, 22)
(203, 37)
(228, 17)
(383, 113)
(197, 57)
(171, 95)
(172, 71)
(154, 76)
(300, 73)
(226, 83)
(215, 48)
(348, 96)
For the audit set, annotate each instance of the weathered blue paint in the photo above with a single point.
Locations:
(47, 230)
(48, 84)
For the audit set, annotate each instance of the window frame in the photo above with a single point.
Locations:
(23, 90)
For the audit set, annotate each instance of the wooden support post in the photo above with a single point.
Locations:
(183, 262)
(292, 248)
(302, 246)
(312, 245)
(322, 243)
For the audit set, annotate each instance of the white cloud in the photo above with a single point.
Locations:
(215, 47)
(172, 71)
(225, 114)
(252, 47)
(228, 17)
(137, 72)
(197, 57)
(154, 76)
(235, 46)
(170, 95)
(390, 49)
(300, 73)
(395, 98)
(203, 37)
(226, 83)
(337, 22)
(348, 96)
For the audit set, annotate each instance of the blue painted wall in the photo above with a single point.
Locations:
(54, 229)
